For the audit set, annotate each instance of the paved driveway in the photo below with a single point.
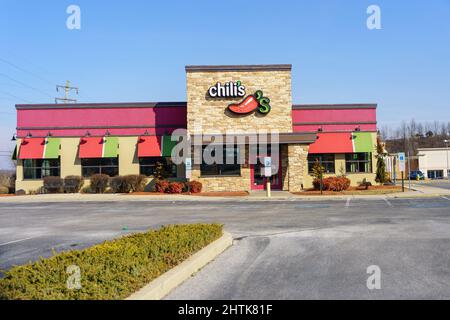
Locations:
(283, 249)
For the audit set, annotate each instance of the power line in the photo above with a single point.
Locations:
(16, 97)
(25, 85)
(24, 70)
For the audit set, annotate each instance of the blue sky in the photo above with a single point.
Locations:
(137, 50)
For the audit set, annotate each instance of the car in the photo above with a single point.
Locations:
(416, 175)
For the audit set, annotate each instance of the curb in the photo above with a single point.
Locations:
(161, 286)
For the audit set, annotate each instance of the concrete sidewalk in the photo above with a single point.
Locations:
(419, 192)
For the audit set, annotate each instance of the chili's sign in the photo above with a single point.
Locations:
(254, 102)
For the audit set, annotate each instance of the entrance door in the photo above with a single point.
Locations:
(259, 181)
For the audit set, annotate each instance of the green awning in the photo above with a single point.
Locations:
(363, 142)
(51, 148)
(110, 147)
(167, 146)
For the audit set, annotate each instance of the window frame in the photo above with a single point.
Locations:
(358, 162)
(100, 166)
(167, 162)
(35, 167)
(324, 163)
(224, 169)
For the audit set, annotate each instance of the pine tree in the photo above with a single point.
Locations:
(381, 165)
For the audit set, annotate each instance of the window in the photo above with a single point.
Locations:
(358, 162)
(435, 174)
(40, 168)
(147, 165)
(223, 169)
(327, 160)
(109, 166)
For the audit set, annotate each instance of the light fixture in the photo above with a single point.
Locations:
(146, 133)
(49, 134)
(14, 138)
(358, 128)
(87, 134)
(320, 129)
(29, 135)
(107, 133)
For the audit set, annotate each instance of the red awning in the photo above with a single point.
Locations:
(32, 148)
(91, 147)
(338, 142)
(149, 146)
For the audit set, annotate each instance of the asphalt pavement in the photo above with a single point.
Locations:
(289, 249)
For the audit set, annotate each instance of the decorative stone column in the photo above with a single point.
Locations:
(297, 159)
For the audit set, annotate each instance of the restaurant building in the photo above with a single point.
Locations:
(130, 138)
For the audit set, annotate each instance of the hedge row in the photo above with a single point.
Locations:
(70, 184)
(111, 270)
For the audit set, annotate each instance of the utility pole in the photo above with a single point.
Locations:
(67, 88)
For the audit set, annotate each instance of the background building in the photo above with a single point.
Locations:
(434, 162)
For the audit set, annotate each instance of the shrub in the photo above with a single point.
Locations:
(365, 184)
(4, 190)
(112, 270)
(161, 186)
(20, 192)
(118, 185)
(73, 184)
(135, 182)
(99, 183)
(195, 186)
(175, 187)
(53, 184)
(316, 184)
(336, 183)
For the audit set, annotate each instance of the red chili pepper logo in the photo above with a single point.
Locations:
(251, 103)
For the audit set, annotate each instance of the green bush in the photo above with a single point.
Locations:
(73, 184)
(53, 184)
(99, 183)
(111, 270)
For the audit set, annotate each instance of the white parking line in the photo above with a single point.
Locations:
(446, 198)
(387, 202)
(14, 241)
(347, 204)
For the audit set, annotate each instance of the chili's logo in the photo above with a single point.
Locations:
(253, 102)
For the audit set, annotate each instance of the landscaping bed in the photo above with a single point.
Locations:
(204, 194)
(373, 190)
(112, 270)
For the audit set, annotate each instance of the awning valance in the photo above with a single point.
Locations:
(98, 147)
(39, 148)
(342, 142)
(155, 146)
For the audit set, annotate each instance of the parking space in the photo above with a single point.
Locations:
(325, 245)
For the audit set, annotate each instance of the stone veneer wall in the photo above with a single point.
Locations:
(210, 115)
(297, 158)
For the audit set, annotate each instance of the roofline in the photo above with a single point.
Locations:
(101, 105)
(181, 104)
(334, 106)
(434, 149)
(230, 68)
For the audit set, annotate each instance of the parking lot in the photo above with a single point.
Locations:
(283, 249)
